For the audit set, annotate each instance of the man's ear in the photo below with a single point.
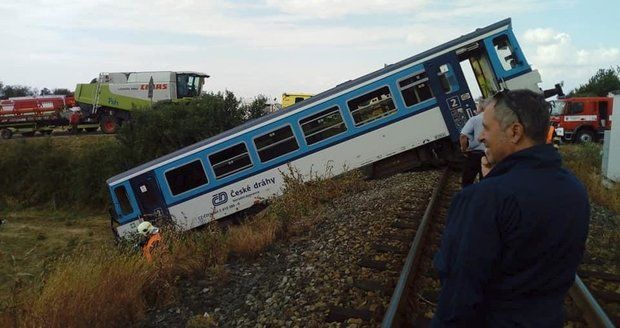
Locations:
(516, 133)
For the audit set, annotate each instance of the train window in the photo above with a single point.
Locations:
(415, 89)
(187, 177)
(322, 125)
(505, 52)
(447, 80)
(123, 199)
(372, 106)
(230, 160)
(276, 143)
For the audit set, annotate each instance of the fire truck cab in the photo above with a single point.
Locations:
(582, 119)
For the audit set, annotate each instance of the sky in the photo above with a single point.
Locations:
(268, 47)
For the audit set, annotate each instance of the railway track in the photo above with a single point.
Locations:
(590, 313)
(414, 300)
(381, 264)
(394, 257)
(595, 297)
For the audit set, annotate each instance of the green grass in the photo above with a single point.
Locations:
(584, 160)
(31, 240)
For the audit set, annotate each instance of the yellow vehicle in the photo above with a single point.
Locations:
(289, 99)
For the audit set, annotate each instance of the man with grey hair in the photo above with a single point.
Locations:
(512, 242)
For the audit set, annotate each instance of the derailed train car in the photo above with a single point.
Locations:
(418, 103)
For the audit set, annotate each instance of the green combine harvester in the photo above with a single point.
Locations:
(109, 99)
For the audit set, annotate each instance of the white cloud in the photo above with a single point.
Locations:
(559, 59)
(539, 35)
(325, 9)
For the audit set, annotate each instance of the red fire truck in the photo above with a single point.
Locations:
(27, 115)
(582, 119)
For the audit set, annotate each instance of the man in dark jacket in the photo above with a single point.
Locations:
(512, 242)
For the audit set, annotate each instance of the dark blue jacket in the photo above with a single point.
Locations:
(512, 244)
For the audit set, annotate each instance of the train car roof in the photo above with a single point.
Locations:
(315, 99)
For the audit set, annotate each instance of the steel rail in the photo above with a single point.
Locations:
(399, 297)
(593, 313)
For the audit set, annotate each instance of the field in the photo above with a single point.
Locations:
(31, 240)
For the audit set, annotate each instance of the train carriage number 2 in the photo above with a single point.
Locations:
(453, 102)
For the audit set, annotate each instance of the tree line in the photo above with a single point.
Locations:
(604, 81)
(9, 91)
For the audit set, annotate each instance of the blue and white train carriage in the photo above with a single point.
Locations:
(409, 104)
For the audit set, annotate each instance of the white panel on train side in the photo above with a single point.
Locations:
(371, 147)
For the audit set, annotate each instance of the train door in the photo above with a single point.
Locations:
(451, 91)
(125, 206)
(148, 194)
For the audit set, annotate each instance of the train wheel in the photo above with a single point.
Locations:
(108, 124)
(6, 133)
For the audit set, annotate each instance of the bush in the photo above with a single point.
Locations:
(170, 126)
(40, 173)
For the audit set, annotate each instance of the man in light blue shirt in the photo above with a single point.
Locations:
(471, 147)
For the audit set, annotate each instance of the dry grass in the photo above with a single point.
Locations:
(30, 241)
(189, 255)
(299, 208)
(202, 321)
(584, 161)
(252, 237)
(103, 289)
(109, 286)
(297, 211)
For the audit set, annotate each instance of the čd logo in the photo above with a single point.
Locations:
(219, 199)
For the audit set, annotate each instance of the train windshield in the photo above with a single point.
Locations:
(189, 85)
(557, 108)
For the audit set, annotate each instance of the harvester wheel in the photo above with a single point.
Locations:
(6, 133)
(108, 124)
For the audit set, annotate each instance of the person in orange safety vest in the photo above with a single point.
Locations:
(153, 237)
